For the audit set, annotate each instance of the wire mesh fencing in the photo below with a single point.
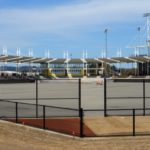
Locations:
(56, 105)
(132, 124)
(58, 93)
(49, 104)
(7, 109)
(62, 120)
(126, 94)
(18, 92)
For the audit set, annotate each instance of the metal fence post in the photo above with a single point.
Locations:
(36, 98)
(44, 127)
(79, 95)
(16, 112)
(143, 97)
(81, 122)
(133, 116)
(105, 97)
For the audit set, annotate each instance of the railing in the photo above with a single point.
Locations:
(63, 120)
(122, 90)
(75, 121)
(65, 92)
(49, 104)
(123, 125)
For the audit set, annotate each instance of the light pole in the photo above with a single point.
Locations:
(147, 15)
(139, 39)
(105, 31)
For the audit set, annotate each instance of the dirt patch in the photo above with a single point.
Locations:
(94, 126)
(14, 137)
(69, 126)
(110, 125)
(118, 125)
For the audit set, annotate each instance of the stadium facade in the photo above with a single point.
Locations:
(60, 67)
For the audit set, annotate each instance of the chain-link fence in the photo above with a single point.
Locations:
(126, 94)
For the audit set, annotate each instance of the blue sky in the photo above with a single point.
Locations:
(70, 25)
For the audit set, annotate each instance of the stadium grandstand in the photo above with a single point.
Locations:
(61, 67)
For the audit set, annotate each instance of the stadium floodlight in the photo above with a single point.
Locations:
(105, 31)
(147, 15)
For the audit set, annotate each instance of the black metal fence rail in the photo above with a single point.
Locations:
(132, 118)
(66, 90)
(13, 106)
(17, 104)
(19, 112)
(143, 90)
(15, 111)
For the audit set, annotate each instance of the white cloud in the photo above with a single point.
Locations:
(63, 17)
(21, 25)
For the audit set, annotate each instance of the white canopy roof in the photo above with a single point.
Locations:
(25, 59)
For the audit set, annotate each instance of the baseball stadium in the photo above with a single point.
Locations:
(84, 97)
